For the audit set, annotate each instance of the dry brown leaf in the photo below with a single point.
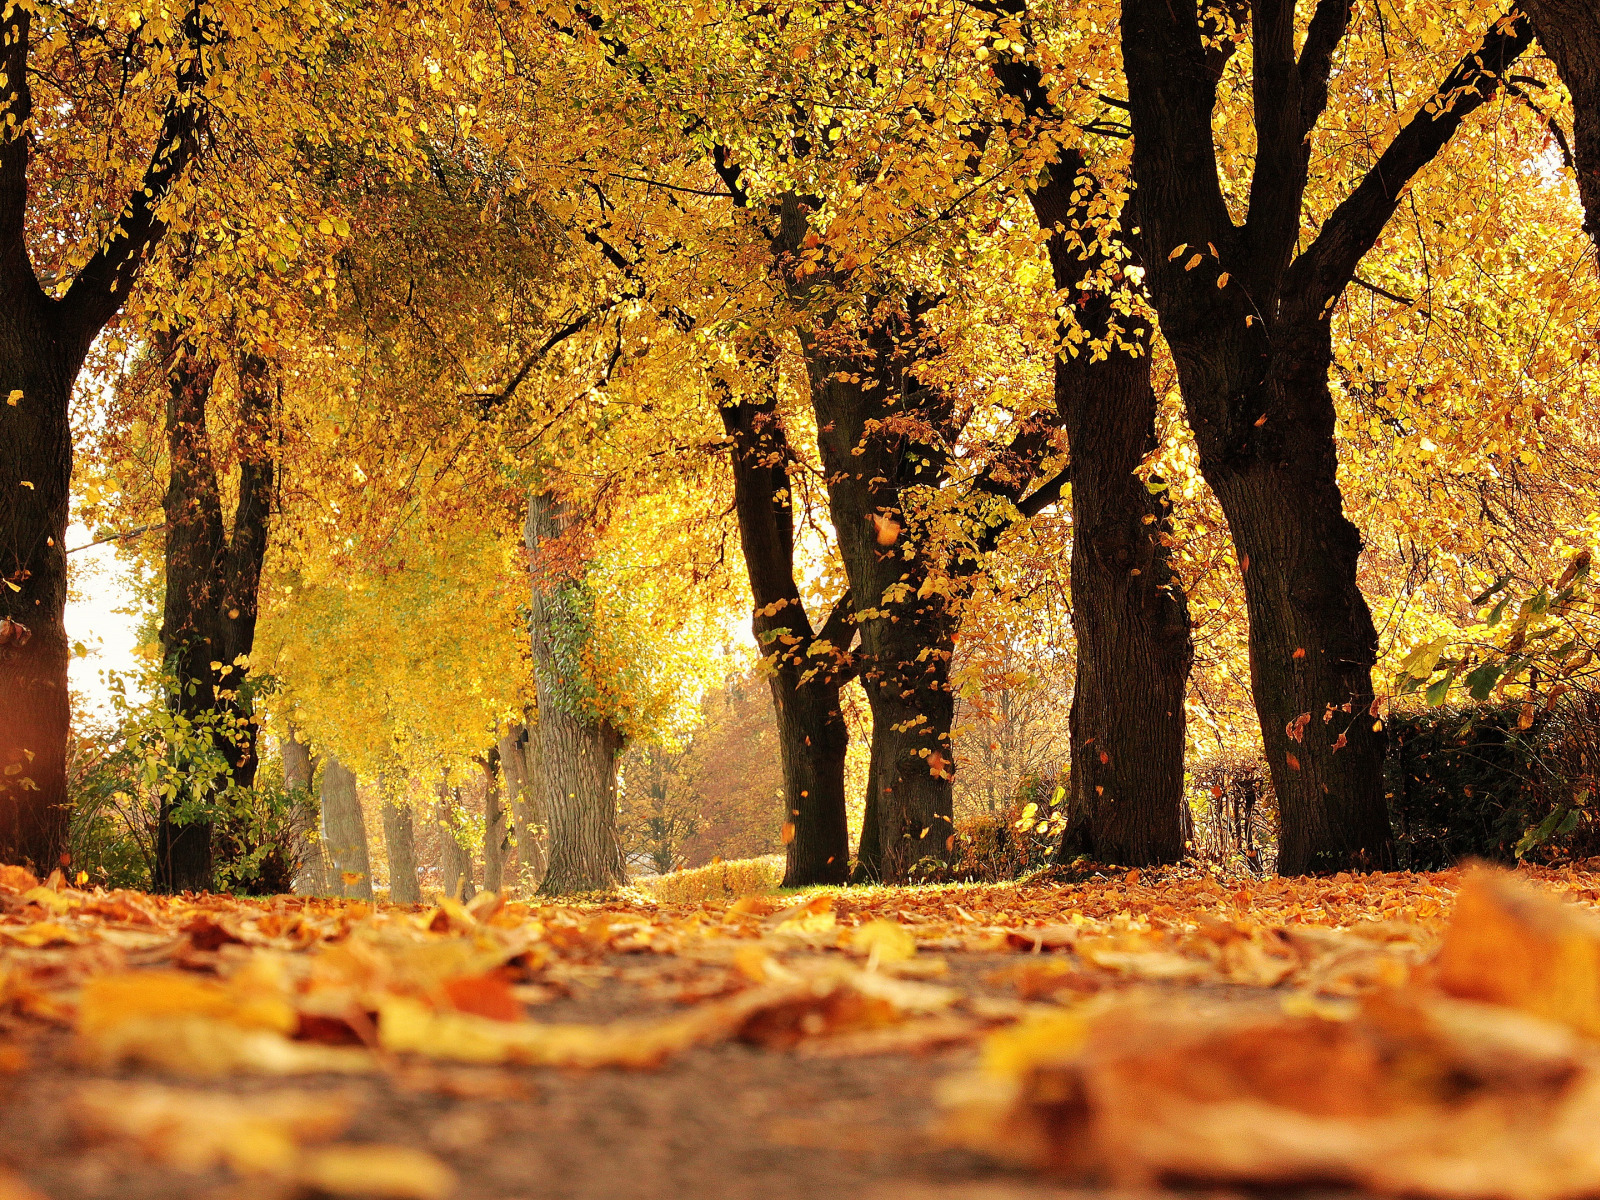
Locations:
(1511, 944)
(1429, 1098)
(203, 1046)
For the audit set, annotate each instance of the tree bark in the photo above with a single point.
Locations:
(344, 832)
(299, 768)
(515, 749)
(869, 856)
(43, 342)
(496, 835)
(399, 836)
(1129, 613)
(859, 378)
(455, 860)
(35, 477)
(1130, 617)
(1245, 312)
(805, 667)
(1569, 31)
(577, 746)
(209, 613)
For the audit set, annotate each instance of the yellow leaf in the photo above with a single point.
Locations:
(383, 1172)
(883, 942)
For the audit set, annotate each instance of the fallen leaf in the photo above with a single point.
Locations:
(1510, 944)
(381, 1172)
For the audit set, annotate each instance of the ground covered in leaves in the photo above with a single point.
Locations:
(1408, 1034)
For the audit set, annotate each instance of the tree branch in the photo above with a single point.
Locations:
(101, 287)
(1326, 267)
(16, 113)
(1327, 30)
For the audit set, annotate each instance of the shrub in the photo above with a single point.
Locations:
(1234, 811)
(1009, 844)
(1499, 781)
(118, 775)
(717, 881)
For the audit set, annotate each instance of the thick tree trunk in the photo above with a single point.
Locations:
(812, 742)
(869, 856)
(400, 838)
(1130, 620)
(577, 746)
(1569, 31)
(43, 341)
(209, 614)
(515, 749)
(496, 835)
(806, 668)
(1312, 641)
(344, 832)
(1129, 614)
(299, 768)
(36, 374)
(1245, 312)
(455, 860)
(907, 631)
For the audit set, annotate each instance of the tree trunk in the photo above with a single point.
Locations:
(496, 836)
(43, 341)
(455, 860)
(869, 857)
(515, 748)
(806, 668)
(299, 768)
(907, 632)
(577, 746)
(35, 474)
(400, 838)
(1245, 312)
(1130, 618)
(344, 832)
(1129, 613)
(209, 613)
(1569, 31)
(1312, 642)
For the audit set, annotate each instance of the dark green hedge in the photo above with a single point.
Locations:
(1468, 782)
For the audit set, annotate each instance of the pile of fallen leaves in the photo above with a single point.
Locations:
(1135, 1028)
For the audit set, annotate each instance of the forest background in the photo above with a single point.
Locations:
(456, 380)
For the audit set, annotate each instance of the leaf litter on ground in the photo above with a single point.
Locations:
(1138, 1028)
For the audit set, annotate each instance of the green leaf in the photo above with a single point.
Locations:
(1439, 689)
(1480, 681)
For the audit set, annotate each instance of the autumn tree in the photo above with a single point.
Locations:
(46, 329)
(213, 570)
(578, 743)
(1129, 612)
(1244, 307)
(807, 664)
